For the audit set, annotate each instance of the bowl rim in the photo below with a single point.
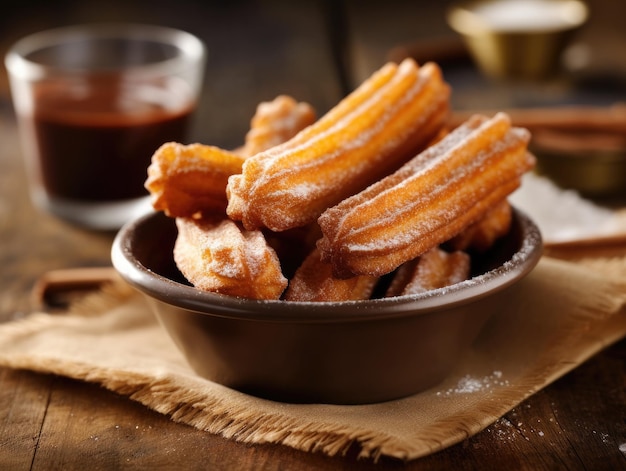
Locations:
(189, 298)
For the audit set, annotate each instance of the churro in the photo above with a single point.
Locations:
(275, 122)
(370, 133)
(217, 255)
(431, 199)
(481, 235)
(434, 269)
(188, 180)
(314, 281)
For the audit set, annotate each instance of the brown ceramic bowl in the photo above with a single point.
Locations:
(339, 353)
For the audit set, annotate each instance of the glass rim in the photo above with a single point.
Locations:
(192, 48)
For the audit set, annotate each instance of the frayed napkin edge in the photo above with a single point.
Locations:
(213, 416)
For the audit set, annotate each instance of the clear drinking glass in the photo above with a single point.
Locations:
(93, 103)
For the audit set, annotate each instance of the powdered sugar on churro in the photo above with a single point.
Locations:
(219, 256)
(428, 201)
(364, 138)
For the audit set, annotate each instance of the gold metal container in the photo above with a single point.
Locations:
(592, 164)
(517, 39)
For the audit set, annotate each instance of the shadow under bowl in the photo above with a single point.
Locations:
(354, 352)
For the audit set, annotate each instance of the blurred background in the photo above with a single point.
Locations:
(249, 38)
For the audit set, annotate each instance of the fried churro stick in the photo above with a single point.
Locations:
(187, 180)
(369, 134)
(481, 235)
(428, 201)
(216, 255)
(275, 122)
(313, 281)
(434, 269)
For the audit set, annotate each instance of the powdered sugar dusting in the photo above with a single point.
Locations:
(460, 166)
(511, 428)
(471, 384)
(563, 215)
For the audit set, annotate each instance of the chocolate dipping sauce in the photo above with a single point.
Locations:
(95, 140)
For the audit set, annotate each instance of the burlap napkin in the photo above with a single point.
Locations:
(559, 316)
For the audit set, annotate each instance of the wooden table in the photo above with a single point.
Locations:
(315, 52)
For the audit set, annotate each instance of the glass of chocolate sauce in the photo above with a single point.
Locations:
(93, 103)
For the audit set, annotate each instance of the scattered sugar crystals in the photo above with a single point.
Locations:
(603, 436)
(505, 430)
(469, 384)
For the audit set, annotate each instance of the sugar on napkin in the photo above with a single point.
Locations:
(555, 319)
(563, 215)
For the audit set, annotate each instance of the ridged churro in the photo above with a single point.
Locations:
(379, 185)
(188, 180)
(431, 199)
(370, 133)
(216, 255)
(275, 122)
(314, 281)
(481, 235)
(434, 269)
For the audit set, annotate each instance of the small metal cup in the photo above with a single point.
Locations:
(517, 39)
(593, 164)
